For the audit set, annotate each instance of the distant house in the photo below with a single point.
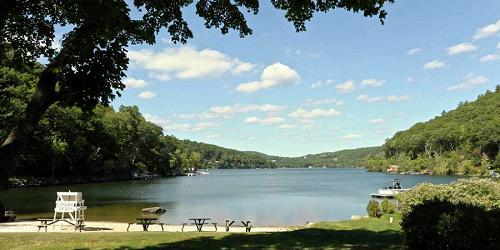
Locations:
(392, 169)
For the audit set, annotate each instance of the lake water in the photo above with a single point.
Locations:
(264, 196)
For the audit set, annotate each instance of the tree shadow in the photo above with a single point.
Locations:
(311, 238)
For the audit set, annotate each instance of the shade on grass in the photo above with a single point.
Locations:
(370, 233)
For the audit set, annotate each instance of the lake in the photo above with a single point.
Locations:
(264, 196)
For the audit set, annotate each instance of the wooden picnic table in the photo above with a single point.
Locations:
(199, 222)
(145, 222)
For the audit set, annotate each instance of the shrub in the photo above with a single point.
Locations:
(387, 207)
(373, 209)
(461, 215)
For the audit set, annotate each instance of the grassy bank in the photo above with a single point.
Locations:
(367, 233)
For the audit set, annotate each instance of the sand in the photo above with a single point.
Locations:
(104, 226)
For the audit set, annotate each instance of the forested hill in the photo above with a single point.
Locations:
(462, 141)
(343, 158)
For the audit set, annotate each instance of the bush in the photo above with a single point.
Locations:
(373, 209)
(461, 215)
(387, 207)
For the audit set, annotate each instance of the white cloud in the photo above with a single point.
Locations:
(370, 99)
(498, 45)
(312, 114)
(436, 64)
(397, 98)
(413, 51)
(161, 77)
(170, 126)
(470, 81)
(410, 79)
(320, 84)
(287, 126)
(376, 121)
(346, 86)
(231, 110)
(351, 137)
(186, 62)
(242, 68)
(264, 121)
(272, 76)
(488, 30)
(489, 58)
(376, 99)
(135, 83)
(372, 82)
(461, 48)
(147, 95)
(312, 102)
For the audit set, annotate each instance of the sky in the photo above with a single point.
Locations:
(346, 82)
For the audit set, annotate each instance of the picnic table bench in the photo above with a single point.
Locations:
(245, 223)
(44, 223)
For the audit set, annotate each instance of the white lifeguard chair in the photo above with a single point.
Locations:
(71, 203)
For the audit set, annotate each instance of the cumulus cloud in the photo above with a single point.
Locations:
(147, 95)
(397, 98)
(272, 76)
(345, 87)
(264, 121)
(436, 64)
(303, 114)
(135, 83)
(488, 30)
(372, 82)
(376, 99)
(319, 102)
(470, 81)
(320, 84)
(376, 121)
(461, 48)
(489, 58)
(351, 137)
(168, 125)
(187, 62)
(370, 99)
(287, 126)
(232, 110)
(413, 51)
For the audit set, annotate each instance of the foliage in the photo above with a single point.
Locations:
(373, 209)
(387, 207)
(461, 215)
(462, 141)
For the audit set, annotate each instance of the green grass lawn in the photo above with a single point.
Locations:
(361, 234)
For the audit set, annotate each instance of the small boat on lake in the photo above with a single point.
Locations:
(390, 191)
(203, 172)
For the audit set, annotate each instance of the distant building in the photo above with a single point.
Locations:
(392, 169)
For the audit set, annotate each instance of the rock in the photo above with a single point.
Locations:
(154, 210)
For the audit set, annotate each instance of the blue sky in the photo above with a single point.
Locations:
(346, 82)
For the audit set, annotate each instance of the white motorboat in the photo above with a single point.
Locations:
(390, 191)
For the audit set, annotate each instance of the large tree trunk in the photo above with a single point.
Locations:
(16, 142)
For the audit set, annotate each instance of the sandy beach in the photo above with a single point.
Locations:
(104, 226)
